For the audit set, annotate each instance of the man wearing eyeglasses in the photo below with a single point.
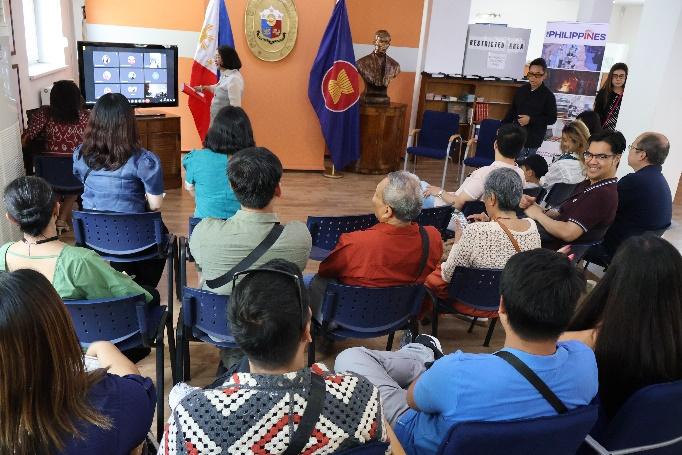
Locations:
(533, 107)
(644, 198)
(587, 214)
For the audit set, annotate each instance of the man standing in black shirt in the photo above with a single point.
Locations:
(533, 107)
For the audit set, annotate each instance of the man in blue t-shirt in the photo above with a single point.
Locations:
(539, 290)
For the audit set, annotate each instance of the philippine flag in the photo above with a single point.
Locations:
(215, 32)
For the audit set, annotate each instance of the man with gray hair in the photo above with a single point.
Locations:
(389, 253)
(644, 197)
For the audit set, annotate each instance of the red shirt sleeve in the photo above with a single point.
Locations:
(334, 265)
(37, 123)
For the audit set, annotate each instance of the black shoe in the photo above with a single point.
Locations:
(432, 343)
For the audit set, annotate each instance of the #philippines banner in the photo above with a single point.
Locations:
(574, 52)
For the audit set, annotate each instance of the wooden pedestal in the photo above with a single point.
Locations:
(381, 137)
(161, 135)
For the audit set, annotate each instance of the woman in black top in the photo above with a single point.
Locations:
(609, 97)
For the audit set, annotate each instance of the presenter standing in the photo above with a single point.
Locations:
(230, 87)
(533, 107)
(609, 97)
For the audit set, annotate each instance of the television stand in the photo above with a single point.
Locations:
(161, 135)
(148, 113)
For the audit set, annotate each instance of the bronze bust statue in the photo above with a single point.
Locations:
(378, 70)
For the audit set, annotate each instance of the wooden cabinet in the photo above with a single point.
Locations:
(495, 95)
(161, 135)
(381, 138)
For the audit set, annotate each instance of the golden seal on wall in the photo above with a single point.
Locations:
(271, 28)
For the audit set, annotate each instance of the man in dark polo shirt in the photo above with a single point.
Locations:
(644, 199)
(587, 214)
(533, 107)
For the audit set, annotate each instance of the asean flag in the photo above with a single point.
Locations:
(215, 32)
(334, 89)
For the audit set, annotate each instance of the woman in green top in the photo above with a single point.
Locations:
(206, 169)
(76, 273)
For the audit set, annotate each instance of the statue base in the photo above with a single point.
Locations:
(375, 95)
(382, 138)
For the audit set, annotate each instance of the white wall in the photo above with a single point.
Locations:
(447, 36)
(530, 14)
(650, 102)
(30, 88)
(624, 24)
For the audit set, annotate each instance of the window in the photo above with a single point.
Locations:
(45, 40)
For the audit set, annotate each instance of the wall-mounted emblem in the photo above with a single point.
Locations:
(271, 28)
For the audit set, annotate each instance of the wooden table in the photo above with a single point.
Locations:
(381, 138)
(161, 135)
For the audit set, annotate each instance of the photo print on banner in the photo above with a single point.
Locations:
(574, 52)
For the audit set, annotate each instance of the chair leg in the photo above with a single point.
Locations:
(486, 343)
(170, 264)
(311, 346)
(178, 375)
(434, 318)
(389, 343)
(461, 173)
(445, 171)
(414, 327)
(471, 326)
(407, 157)
(186, 359)
(160, 420)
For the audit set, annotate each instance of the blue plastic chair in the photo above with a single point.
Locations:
(435, 139)
(203, 318)
(326, 230)
(128, 322)
(650, 418)
(438, 217)
(557, 435)
(129, 237)
(360, 312)
(485, 147)
(372, 448)
(476, 289)
(58, 172)
(558, 193)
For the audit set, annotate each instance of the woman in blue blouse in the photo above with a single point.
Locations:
(206, 169)
(118, 175)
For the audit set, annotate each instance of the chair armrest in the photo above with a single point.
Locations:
(601, 450)
(413, 136)
(454, 137)
(414, 131)
(468, 149)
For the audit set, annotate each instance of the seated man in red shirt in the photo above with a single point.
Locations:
(389, 253)
(587, 214)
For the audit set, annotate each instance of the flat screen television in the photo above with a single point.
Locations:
(146, 74)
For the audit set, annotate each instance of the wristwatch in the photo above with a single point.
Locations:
(440, 194)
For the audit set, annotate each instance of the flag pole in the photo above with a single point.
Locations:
(332, 174)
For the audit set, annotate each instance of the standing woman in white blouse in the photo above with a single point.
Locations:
(230, 87)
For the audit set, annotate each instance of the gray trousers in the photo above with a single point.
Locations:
(390, 372)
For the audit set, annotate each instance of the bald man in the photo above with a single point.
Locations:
(644, 198)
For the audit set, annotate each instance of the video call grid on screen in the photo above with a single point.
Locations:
(142, 75)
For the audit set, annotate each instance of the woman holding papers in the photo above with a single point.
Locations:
(230, 87)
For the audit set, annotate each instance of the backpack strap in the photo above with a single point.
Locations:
(248, 261)
(534, 379)
(310, 416)
(425, 251)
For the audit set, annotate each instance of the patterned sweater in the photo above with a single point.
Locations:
(256, 414)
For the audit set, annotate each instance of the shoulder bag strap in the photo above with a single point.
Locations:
(253, 256)
(85, 177)
(614, 104)
(425, 251)
(534, 379)
(310, 416)
(506, 230)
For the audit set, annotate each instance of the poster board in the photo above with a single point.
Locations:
(495, 51)
(574, 52)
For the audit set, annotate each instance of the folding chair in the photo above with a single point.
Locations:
(128, 322)
(360, 312)
(435, 139)
(326, 230)
(472, 292)
(485, 147)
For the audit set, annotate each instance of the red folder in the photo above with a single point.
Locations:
(187, 89)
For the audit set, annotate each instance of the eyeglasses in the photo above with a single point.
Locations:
(619, 76)
(632, 147)
(535, 75)
(600, 157)
(296, 278)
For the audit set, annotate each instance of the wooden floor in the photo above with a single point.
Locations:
(309, 193)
